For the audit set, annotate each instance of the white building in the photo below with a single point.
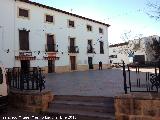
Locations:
(32, 34)
(132, 51)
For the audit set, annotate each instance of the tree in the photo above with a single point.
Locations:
(156, 48)
(134, 43)
(153, 10)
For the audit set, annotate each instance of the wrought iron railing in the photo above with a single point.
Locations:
(73, 49)
(90, 49)
(31, 79)
(51, 48)
(137, 79)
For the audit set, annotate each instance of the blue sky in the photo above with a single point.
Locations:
(124, 16)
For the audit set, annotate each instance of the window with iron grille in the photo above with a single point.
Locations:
(71, 23)
(89, 28)
(100, 30)
(23, 13)
(49, 18)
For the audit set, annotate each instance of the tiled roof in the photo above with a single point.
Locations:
(58, 10)
(119, 44)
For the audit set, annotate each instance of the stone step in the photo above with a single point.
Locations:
(90, 99)
(83, 106)
(78, 115)
(3, 103)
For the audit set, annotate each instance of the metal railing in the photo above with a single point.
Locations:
(31, 79)
(136, 79)
(51, 48)
(90, 49)
(73, 49)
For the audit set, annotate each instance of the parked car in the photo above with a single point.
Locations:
(3, 88)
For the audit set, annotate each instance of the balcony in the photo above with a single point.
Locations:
(90, 49)
(24, 55)
(51, 48)
(73, 49)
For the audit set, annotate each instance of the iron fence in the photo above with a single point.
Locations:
(138, 79)
(32, 79)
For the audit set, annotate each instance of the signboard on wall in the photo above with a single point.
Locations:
(25, 53)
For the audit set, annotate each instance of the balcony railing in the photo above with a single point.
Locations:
(90, 49)
(73, 49)
(51, 48)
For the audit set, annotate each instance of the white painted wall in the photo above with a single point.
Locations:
(7, 32)
(148, 53)
(121, 55)
(38, 30)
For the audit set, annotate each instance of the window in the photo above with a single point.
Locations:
(100, 30)
(23, 13)
(50, 47)
(89, 47)
(101, 47)
(72, 48)
(71, 23)
(24, 39)
(72, 41)
(89, 28)
(49, 18)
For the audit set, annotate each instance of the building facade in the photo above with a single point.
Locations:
(137, 50)
(55, 40)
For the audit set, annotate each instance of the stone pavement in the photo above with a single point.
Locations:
(108, 82)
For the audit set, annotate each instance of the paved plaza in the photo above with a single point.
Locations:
(108, 82)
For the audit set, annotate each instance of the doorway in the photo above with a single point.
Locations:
(73, 62)
(24, 39)
(90, 59)
(25, 65)
(51, 66)
(50, 43)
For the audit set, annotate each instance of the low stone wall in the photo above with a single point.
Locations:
(32, 101)
(139, 106)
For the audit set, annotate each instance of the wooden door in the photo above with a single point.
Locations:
(101, 47)
(72, 42)
(50, 43)
(24, 39)
(90, 59)
(73, 62)
(51, 66)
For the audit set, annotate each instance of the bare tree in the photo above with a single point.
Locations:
(155, 46)
(153, 9)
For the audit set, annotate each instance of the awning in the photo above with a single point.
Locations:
(51, 58)
(25, 57)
